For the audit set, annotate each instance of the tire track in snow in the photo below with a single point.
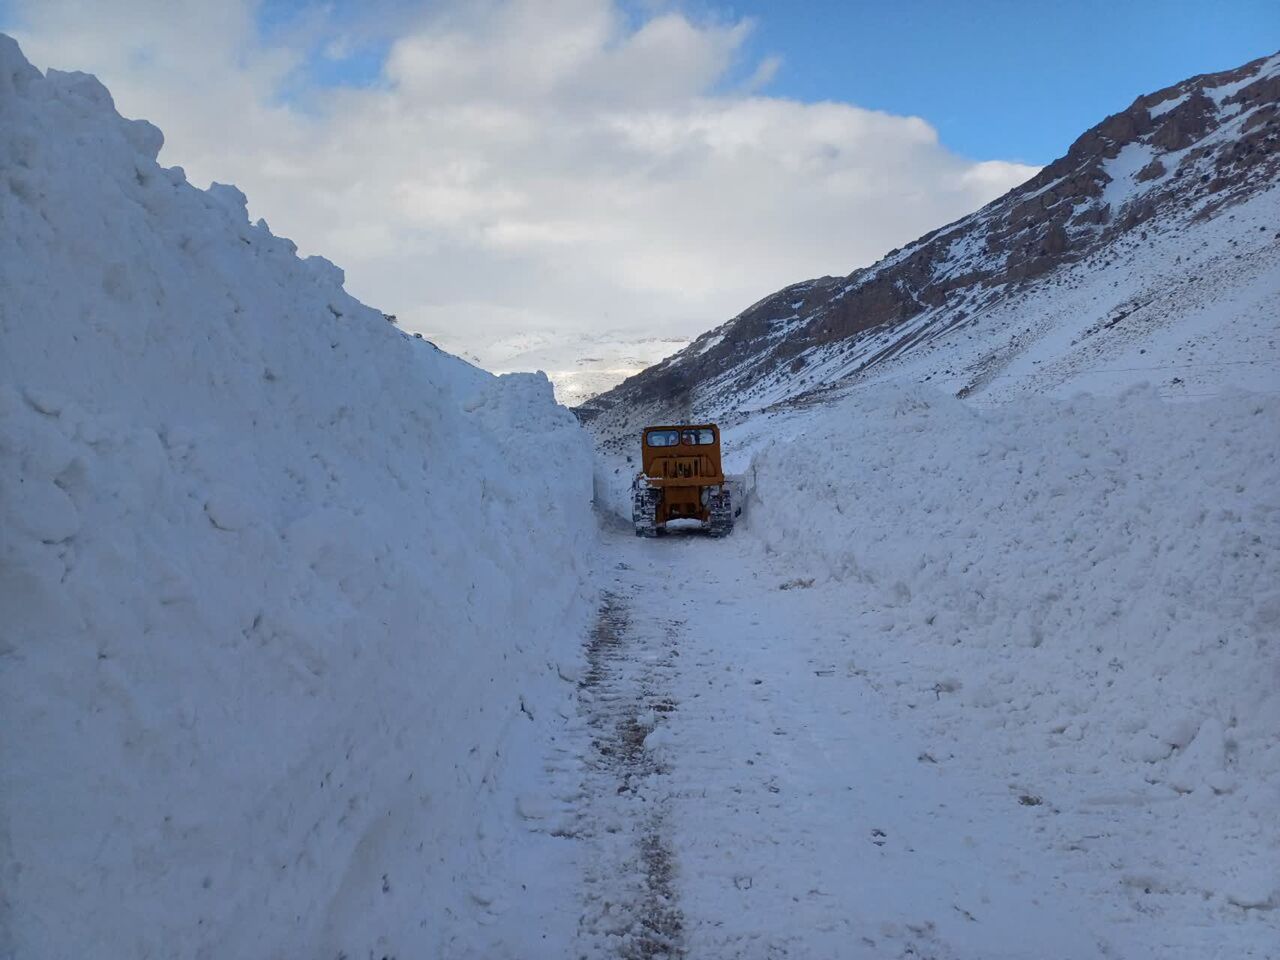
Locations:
(630, 904)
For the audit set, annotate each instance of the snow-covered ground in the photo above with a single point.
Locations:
(278, 628)
(797, 810)
(1081, 598)
(1072, 605)
(782, 752)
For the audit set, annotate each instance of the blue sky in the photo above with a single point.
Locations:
(999, 79)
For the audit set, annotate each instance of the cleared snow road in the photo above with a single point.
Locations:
(747, 792)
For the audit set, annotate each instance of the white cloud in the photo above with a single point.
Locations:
(527, 164)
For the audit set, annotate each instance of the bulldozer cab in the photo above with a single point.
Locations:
(681, 478)
(682, 453)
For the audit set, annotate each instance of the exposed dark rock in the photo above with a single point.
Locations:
(1184, 124)
(1152, 171)
(1055, 241)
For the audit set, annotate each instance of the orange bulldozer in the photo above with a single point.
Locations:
(681, 479)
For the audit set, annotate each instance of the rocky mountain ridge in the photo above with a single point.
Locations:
(1135, 191)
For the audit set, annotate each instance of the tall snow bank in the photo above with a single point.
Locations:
(280, 586)
(1089, 588)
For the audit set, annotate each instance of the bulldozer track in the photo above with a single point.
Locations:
(631, 908)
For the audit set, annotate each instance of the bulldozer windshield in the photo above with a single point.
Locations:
(662, 438)
(697, 437)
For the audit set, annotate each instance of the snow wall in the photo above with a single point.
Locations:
(283, 589)
(1090, 587)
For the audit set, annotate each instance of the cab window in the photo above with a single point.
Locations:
(662, 438)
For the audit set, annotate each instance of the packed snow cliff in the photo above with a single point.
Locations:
(276, 611)
(1097, 581)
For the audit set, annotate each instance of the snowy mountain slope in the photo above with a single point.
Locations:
(1151, 249)
(276, 623)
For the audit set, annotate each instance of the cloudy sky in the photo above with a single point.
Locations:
(490, 169)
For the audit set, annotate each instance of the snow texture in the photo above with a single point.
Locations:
(1081, 598)
(278, 619)
(1070, 604)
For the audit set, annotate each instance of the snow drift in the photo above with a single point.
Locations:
(1085, 593)
(274, 579)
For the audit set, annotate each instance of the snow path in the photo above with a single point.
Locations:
(629, 909)
(748, 792)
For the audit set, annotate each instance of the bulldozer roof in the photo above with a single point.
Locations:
(682, 426)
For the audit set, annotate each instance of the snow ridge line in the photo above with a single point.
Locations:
(631, 906)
